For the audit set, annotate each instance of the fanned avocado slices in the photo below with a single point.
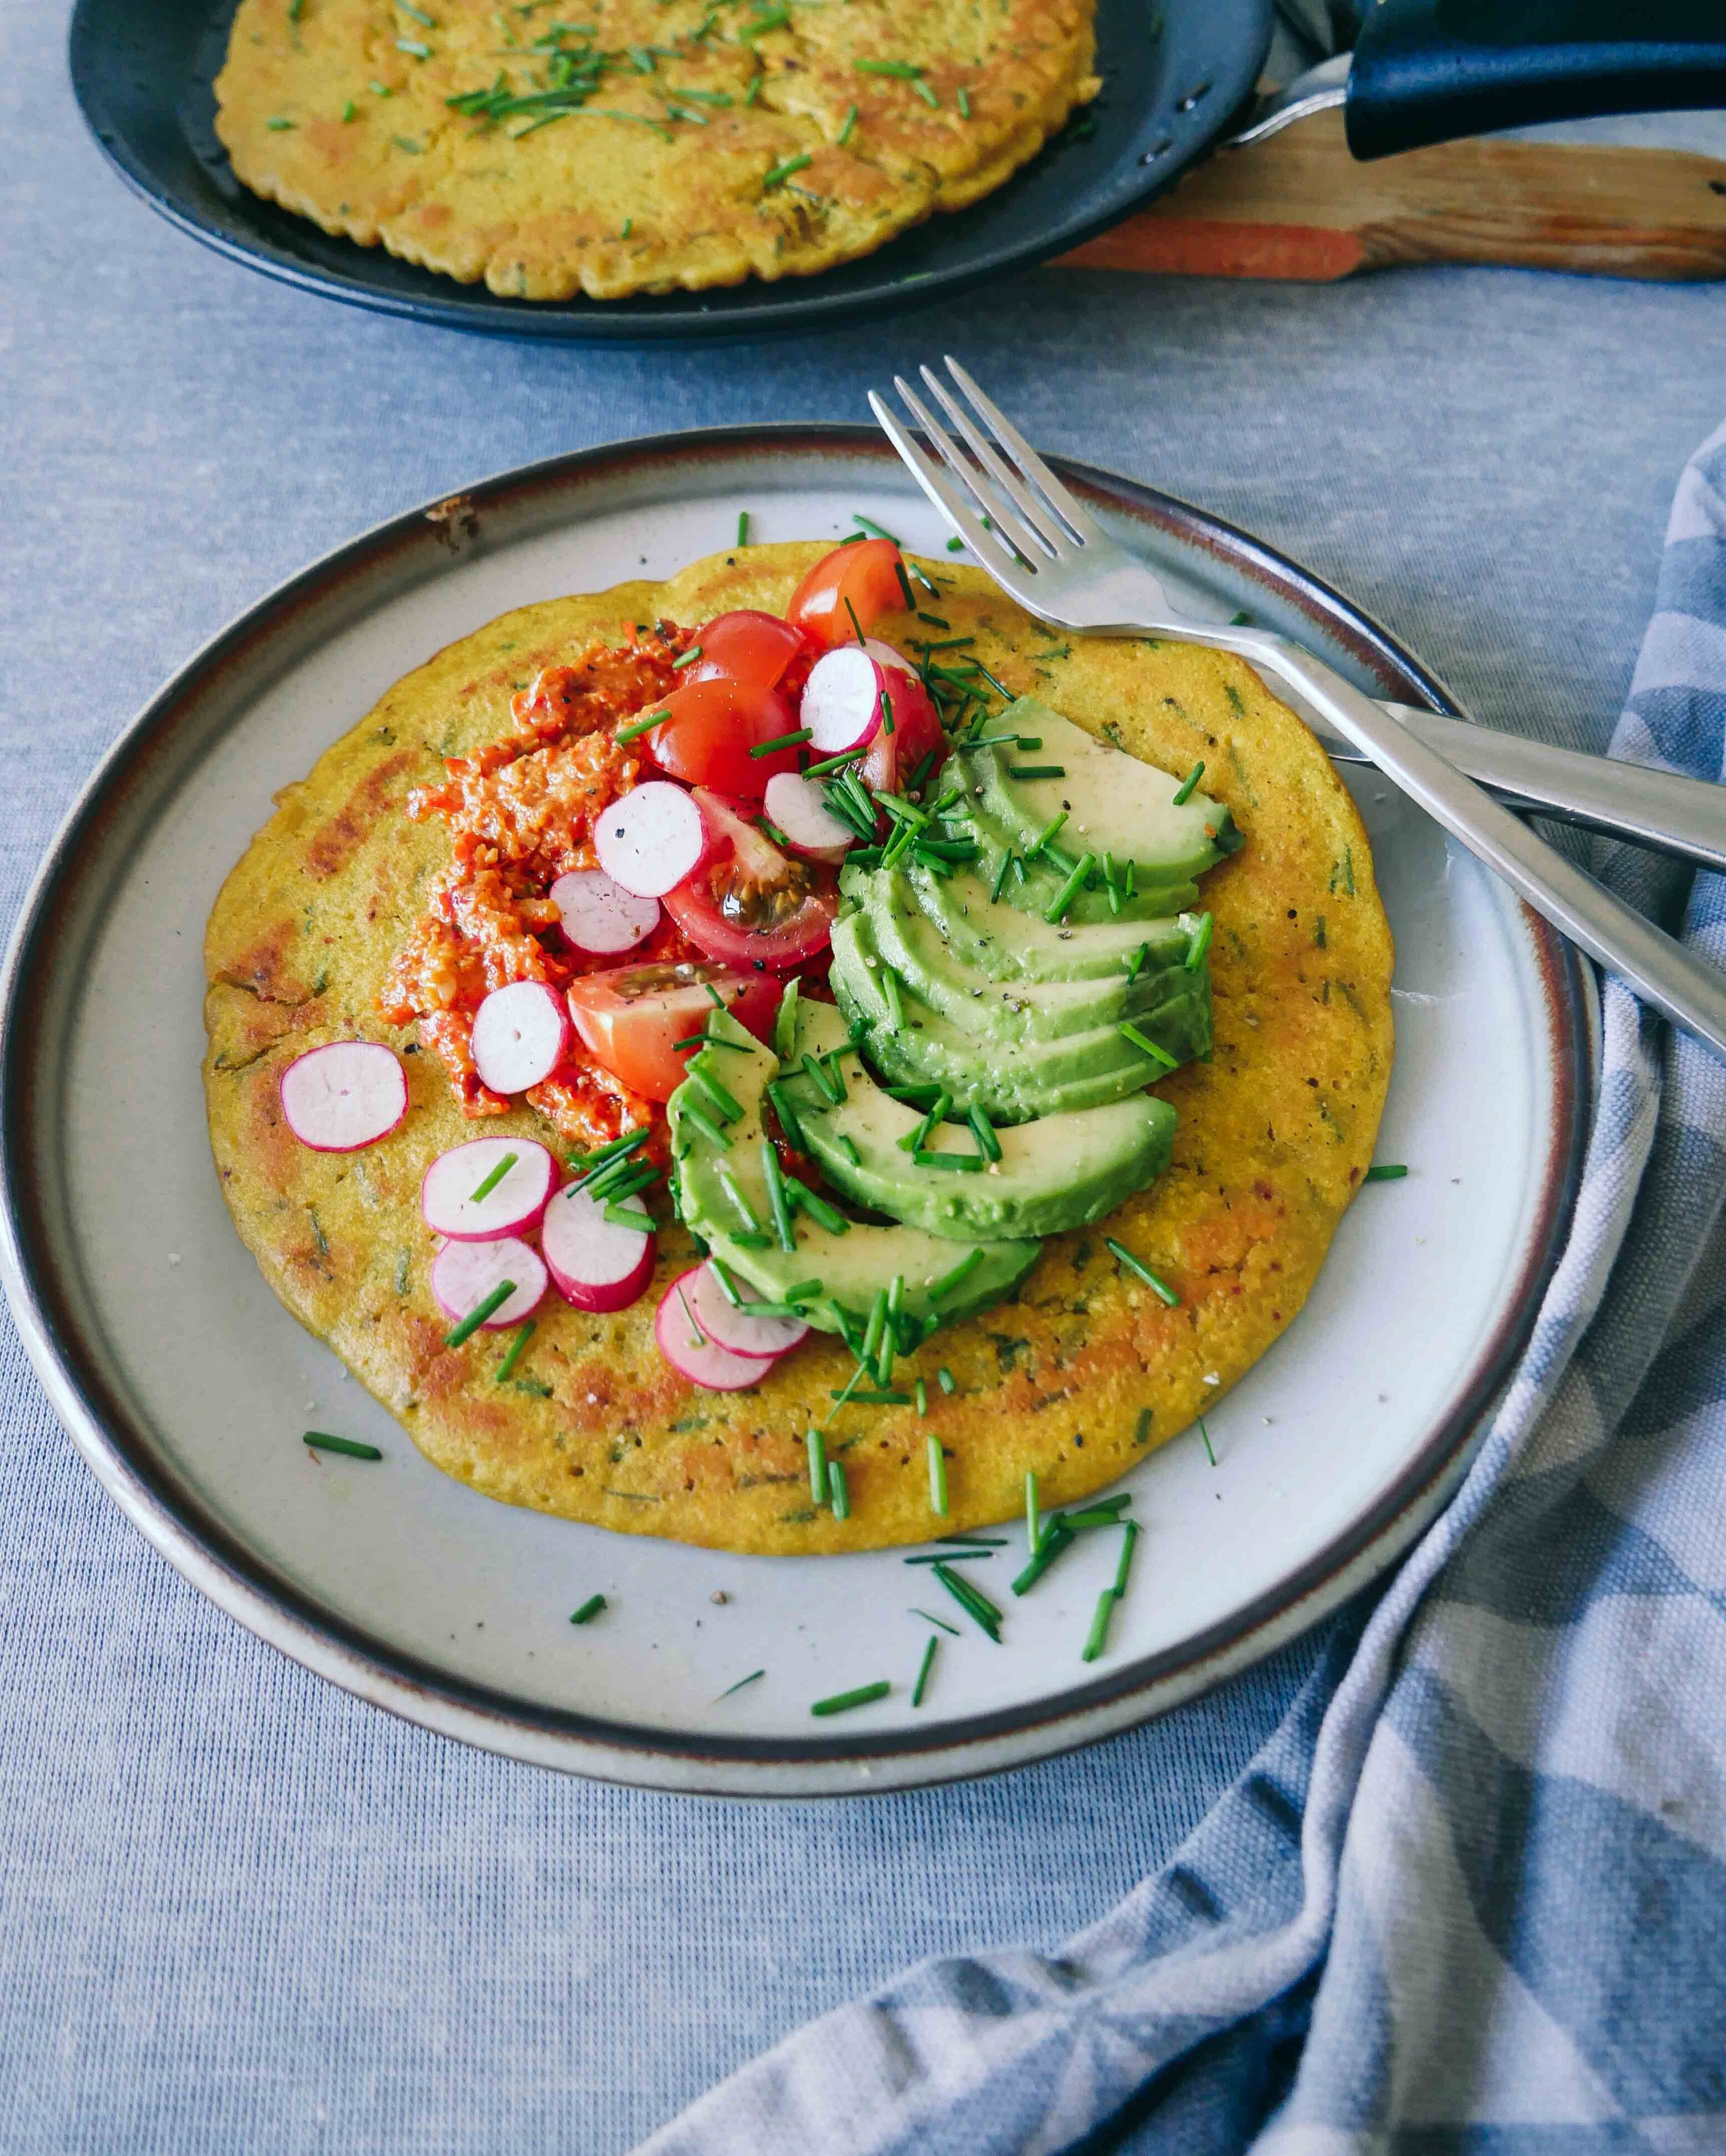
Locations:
(832, 1276)
(1063, 1172)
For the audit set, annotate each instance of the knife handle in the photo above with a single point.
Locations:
(1431, 71)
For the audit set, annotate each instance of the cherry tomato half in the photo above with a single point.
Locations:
(631, 1016)
(866, 575)
(746, 646)
(917, 733)
(753, 906)
(710, 730)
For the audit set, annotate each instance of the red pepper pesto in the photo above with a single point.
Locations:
(520, 814)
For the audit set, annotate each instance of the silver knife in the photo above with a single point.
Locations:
(1651, 807)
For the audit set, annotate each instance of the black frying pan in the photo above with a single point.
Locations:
(1175, 72)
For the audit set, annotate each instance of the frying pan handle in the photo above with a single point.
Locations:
(1430, 70)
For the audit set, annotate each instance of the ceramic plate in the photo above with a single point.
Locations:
(187, 1386)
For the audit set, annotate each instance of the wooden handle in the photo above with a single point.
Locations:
(1297, 205)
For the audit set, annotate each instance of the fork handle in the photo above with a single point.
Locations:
(1655, 967)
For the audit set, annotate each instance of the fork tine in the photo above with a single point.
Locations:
(946, 497)
(1044, 525)
(1084, 526)
(1018, 540)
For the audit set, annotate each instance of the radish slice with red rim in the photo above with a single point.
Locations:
(693, 1352)
(598, 917)
(519, 1034)
(344, 1096)
(517, 1176)
(795, 806)
(463, 1274)
(841, 700)
(650, 838)
(884, 655)
(763, 1339)
(596, 1264)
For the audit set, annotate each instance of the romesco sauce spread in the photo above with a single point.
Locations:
(521, 813)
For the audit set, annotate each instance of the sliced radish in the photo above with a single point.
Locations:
(691, 1349)
(884, 655)
(650, 838)
(760, 1339)
(519, 1034)
(344, 1096)
(511, 1205)
(841, 700)
(795, 805)
(594, 1263)
(463, 1274)
(598, 917)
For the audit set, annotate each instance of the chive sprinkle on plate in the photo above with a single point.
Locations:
(922, 1674)
(320, 1440)
(842, 1703)
(1155, 1282)
(1385, 1171)
(749, 1680)
(589, 1610)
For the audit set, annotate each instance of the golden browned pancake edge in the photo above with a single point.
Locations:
(1076, 1378)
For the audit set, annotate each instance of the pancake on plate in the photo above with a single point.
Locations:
(649, 146)
(404, 879)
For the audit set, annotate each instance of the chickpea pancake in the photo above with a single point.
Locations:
(652, 145)
(1075, 1375)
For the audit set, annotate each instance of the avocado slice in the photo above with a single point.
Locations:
(1112, 802)
(1032, 886)
(1004, 944)
(1082, 1070)
(1063, 1172)
(852, 1267)
(1010, 1012)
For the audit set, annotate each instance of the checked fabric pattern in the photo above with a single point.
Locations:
(1471, 1896)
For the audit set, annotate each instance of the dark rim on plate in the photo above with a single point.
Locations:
(1174, 73)
(186, 1532)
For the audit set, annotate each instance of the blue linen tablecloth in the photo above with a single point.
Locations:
(239, 1911)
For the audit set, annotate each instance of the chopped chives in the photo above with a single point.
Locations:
(786, 1114)
(842, 1701)
(589, 1610)
(780, 173)
(1045, 834)
(481, 1311)
(506, 1368)
(783, 740)
(697, 1335)
(426, 22)
(724, 1103)
(1159, 1286)
(1138, 965)
(349, 110)
(722, 1273)
(712, 1040)
(753, 1674)
(622, 1215)
(961, 1272)
(496, 1176)
(961, 1163)
(1057, 909)
(1209, 1454)
(1098, 1634)
(844, 134)
(824, 1215)
(834, 763)
(967, 1555)
(717, 1000)
(1057, 1536)
(922, 1674)
(706, 1124)
(688, 659)
(1141, 1427)
(1199, 946)
(938, 1108)
(837, 1491)
(948, 1383)
(890, 989)
(1010, 861)
(1129, 1539)
(975, 1542)
(921, 1393)
(1033, 1522)
(415, 46)
(848, 1146)
(638, 727)
(851, 610)
(780, 1210)
(886, 712)
(964, 104)
(910, 595)
(1130, 1032)
(922, 90)
(880, 1398)
(902, 70)
(955, 545)
(1183, 792)
(877, 530)
(743, 540)
(321, 1440)
(952, 1630)
(1036, 771)
(819, 1079)
(971, 1599)
(938, 1477)
(818, 1464)
(1384, 1171)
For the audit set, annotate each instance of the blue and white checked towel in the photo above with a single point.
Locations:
(1472, 1894)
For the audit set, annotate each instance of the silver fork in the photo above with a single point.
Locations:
(1046, 551)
